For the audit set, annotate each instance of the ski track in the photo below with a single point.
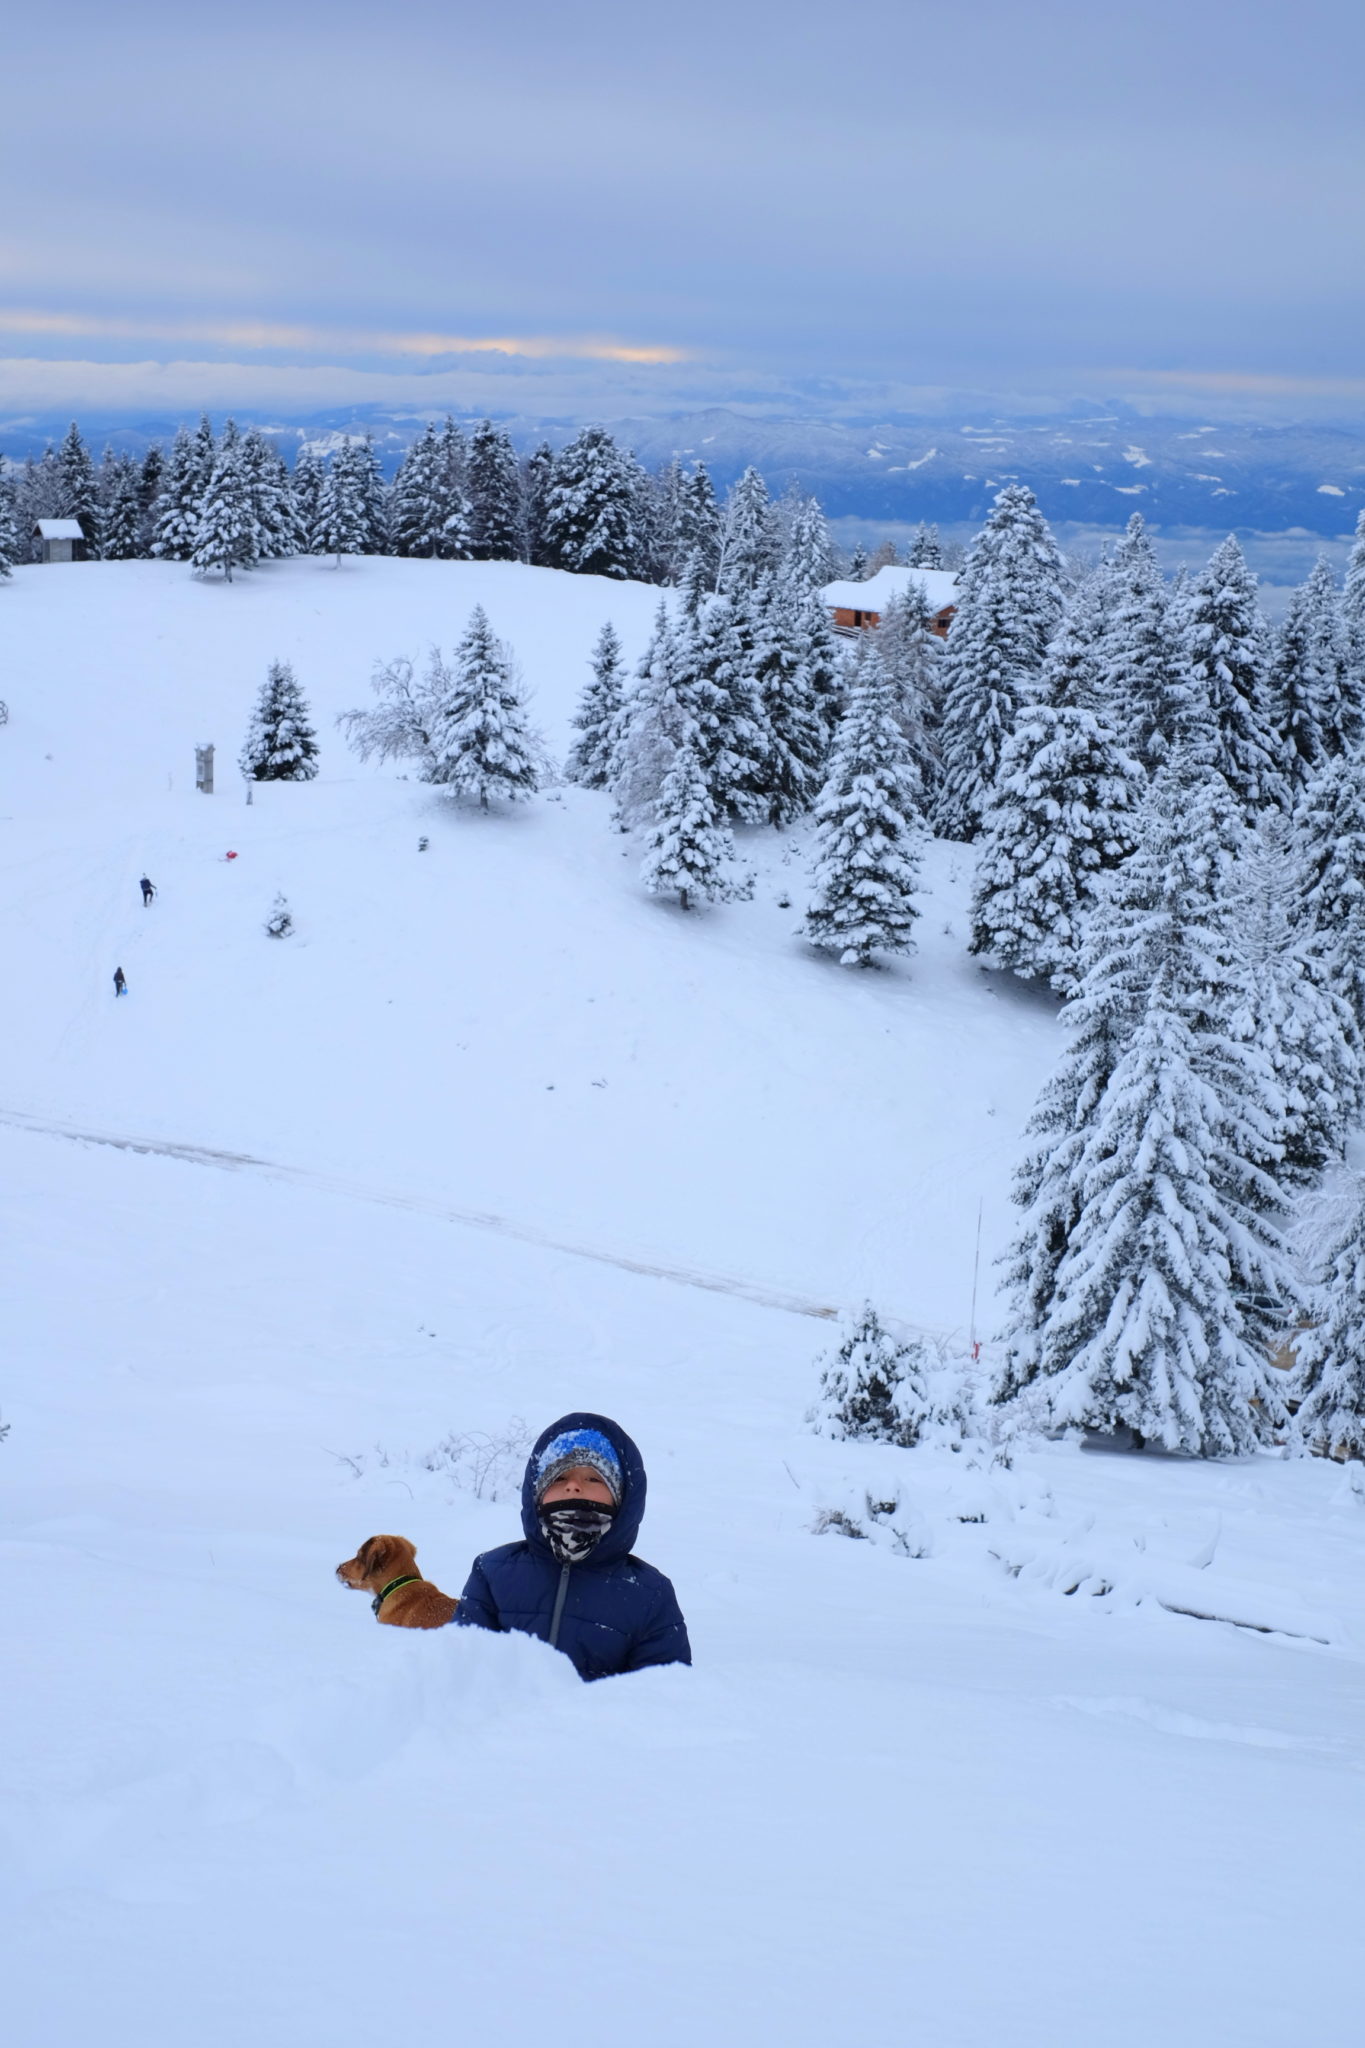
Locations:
(472, 1219)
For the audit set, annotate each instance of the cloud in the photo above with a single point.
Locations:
(542, 388)
(1235, 383)
(265, 334)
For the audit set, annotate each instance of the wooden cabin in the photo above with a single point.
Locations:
(858, 606)
(59, 540)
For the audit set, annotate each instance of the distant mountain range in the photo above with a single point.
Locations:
(1093, 465)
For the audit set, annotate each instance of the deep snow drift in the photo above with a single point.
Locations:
(550, 1144)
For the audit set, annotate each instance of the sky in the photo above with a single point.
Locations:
(561, 208)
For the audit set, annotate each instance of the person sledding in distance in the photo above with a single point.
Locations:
(573, 1579)
(148, 891)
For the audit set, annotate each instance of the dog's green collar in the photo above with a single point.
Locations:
(409, 1579)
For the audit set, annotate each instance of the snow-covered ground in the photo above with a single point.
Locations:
(491, 1137)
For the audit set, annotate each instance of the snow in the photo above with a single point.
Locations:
(873, 595)
(60, 529)
(493, 1136)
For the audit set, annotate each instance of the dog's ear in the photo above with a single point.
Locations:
(373, 1556)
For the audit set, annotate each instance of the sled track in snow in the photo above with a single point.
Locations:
(421, 1205)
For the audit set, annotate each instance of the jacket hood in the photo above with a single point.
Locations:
(620, 1538)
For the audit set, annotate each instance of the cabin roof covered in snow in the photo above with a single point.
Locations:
(940, 587)
(60, 529)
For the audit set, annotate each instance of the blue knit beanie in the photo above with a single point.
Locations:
(579, 1447)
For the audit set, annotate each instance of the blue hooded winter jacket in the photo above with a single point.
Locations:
(618, 1613)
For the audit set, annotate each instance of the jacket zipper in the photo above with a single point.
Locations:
(560, 1596)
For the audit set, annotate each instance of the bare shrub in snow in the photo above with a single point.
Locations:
(841, 1523)
(487, 1463)
(399, 726)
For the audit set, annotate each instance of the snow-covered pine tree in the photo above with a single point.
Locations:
(305, 490)
(874, 1388)
(926, 550)
(176, 517)
(698, 531)
(787, 709)
(1226, 647)
(225, 537)
(481, 744)
(751, 537)
(341, 527)
(120, 509)
(1329, 829)
(453, 449)
(987, 672)
(374, 496)
(1331, 1414)
(1018, 548)
(1062, 816)
(1158, 1325)
(267, 488)
(658, 498)
(428, 513)
(857, 564)
(79, 487)
(690, 850)
(1149, 1278)
(496, 516)
(598, 717)
(1288, 1006)
(1353, 621)
(589, 521)
(9, 525)
(38, 491)
(808, 557)
(1307, 689)
(536, 473)
(715, 664)
(650, 726)
(1141, 676)
(912, 656)
(281, 745)
(204, 452)
(1101, 1018)
(868, 828)
(153, 468)
(1009, 607)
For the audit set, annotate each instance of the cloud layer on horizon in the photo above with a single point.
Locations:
(752, 200)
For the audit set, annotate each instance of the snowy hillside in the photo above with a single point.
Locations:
(491, 1136)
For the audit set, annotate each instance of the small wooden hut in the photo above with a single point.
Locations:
(59, 540)
(858, 606)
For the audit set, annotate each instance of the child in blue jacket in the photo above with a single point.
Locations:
(573, 1580)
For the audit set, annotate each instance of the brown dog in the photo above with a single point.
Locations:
(387, 1567)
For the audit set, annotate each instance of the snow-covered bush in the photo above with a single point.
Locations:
(877, 1389)
(280, 922)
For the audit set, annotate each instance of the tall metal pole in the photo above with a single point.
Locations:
(976, 1273)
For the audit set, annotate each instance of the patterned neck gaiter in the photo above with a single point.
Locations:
(574, 1528)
